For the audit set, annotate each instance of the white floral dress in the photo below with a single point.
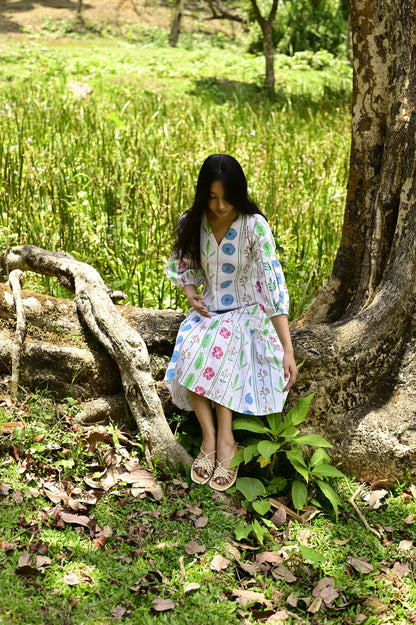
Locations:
(235, 357)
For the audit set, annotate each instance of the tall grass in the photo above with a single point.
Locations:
(106, 178)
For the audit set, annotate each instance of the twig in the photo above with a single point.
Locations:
(354, 505)
(16, 281)
(277, 504)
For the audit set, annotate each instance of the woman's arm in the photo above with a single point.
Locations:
(281, 325)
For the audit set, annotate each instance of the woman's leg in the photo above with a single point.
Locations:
(203, 410)
(226, 445)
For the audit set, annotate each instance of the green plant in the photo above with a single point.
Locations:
(281, 436)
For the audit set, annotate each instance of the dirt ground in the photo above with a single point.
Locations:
(23, 16)
(16, 15)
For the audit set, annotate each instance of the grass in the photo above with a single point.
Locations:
(106, 177)
(147, 554)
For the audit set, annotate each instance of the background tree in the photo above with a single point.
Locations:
(358, 336)
(266, 25)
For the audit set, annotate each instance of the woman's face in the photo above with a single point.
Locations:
(217, 203)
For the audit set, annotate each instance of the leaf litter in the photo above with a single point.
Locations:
(73, 500)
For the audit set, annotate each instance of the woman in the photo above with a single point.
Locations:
(233, 351)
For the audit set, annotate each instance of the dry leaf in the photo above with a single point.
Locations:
(192, 548)
(248, 597)
(292, 600)
(43, 561)
(401, 569)
(190, 587)
(161, 605)
(279, 517)
(278, 617)
(377, 606)
(360, 618)
(326, 590)
(201, 522)
(283, 573)
(139, 477)
(405, 545)
(249, 568)
(156, 491)
(118, 612)
(315, 606)
(375, 497)
(182, 569)
(4, 489)
(410, 519)
(219, 563)
(413, 490)
(271, 557)
(360, 564)
(71, 579)
(75, 519)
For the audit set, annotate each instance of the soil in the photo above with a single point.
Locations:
(17, 16)
(28, 16)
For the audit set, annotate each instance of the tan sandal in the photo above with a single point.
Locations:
(204, 463)
(229, 474)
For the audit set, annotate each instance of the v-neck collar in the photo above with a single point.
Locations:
(225, 234)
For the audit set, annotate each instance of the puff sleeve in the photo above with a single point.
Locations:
(181, 273)
(273, 295)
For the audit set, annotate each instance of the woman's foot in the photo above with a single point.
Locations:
(224, 476)
(203, 467)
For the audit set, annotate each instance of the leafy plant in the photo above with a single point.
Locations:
(282, 436)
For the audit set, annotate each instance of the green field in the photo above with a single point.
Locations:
(106, 176)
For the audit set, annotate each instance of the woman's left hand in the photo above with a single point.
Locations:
(290, 370)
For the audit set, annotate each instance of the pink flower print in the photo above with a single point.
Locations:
(225, 333)
(217, 352)
(258, 287)
(182, 265)
(199, 390)
(208, 373)
(262, 307)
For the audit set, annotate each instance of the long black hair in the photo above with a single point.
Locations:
(216, 168)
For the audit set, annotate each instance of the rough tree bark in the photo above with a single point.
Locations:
(358, 337)
(175, 28)
(122, 342)
(266, 25)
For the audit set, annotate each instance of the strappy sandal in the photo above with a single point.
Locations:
(229, 474)
(204, 463)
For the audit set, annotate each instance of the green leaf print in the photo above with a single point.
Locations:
(271, 285)
(234, 384)
(215, 324)
(260, 229)
(189, 380)
(199, 361)
(267, 248)
(267, 266)
(206, 340)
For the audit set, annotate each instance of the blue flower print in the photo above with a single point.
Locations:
(170, 374)
(248, 412)
(228, 248)
(186, 327)
(179, 340)
(174, 356)
(228, 268)
(226, 284)
(231, 234)
(227, 300)
(249, 398)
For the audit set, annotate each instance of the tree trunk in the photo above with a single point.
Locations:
(176, 23)
(124, 344)
(358, 336)
(266, 25)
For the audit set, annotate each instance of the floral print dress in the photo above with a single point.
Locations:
(235, 357)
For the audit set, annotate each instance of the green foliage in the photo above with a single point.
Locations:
(106, 177)
(312, 25)
(281, 436)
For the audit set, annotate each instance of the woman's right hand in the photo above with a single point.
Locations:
(196, 301)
